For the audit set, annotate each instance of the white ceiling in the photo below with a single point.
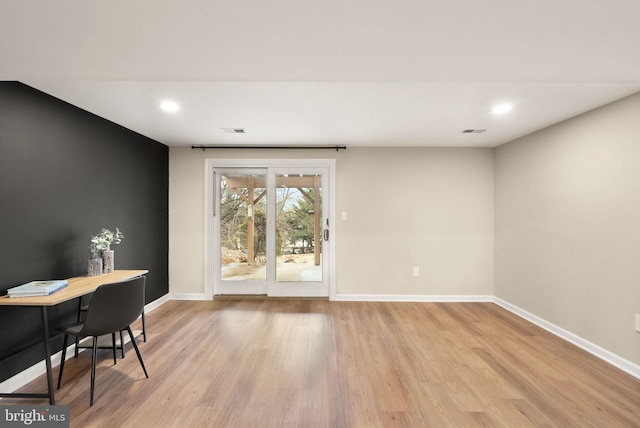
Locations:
(326, 72)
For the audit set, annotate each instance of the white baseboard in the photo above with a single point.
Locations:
(156, 303)
(24, 377)
(188, 296)
(611, 358)
(35, 371)
(411, 298)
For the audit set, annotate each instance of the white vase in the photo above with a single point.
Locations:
(107, 257)
(94, 267)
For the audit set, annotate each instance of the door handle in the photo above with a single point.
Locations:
(326, 234)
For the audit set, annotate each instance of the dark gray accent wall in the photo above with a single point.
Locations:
(65, 174)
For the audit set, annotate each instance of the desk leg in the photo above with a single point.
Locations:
(47, 355)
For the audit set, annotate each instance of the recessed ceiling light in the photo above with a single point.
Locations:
(502, 108)
(169, 106)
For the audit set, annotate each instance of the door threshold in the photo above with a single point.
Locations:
(262, 297)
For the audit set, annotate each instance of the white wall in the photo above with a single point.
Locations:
(426, 207)
(567, 225)
(430, 208)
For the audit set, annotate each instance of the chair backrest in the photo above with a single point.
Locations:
(114, 307)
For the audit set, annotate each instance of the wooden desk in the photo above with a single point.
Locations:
(77, 287)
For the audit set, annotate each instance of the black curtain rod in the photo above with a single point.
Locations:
(337, 148)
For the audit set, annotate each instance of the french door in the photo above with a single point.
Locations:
(271, 229)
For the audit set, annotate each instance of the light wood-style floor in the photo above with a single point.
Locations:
(314, 363)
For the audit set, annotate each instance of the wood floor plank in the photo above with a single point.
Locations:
(314, 363)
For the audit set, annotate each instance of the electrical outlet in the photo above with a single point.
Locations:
(416, 271)
(638, 323)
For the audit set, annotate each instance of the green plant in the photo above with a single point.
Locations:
(103, 240)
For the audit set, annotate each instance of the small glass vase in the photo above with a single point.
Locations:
(107, 258)
(94, 267)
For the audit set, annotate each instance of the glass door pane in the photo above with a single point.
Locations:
(298, 228)
(270, 230)
(243, 226)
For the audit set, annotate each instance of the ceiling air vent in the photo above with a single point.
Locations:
(233, 130)
(474, 131)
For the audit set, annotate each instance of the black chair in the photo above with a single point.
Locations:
(84, 308)
(112, 309)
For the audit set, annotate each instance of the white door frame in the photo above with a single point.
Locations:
(209, 209)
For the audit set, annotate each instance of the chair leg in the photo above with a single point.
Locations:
(113, 347)
(135, 346)
(78, 338)
(144, 328)
(93, 367)
(64, 355)
(121, 344)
